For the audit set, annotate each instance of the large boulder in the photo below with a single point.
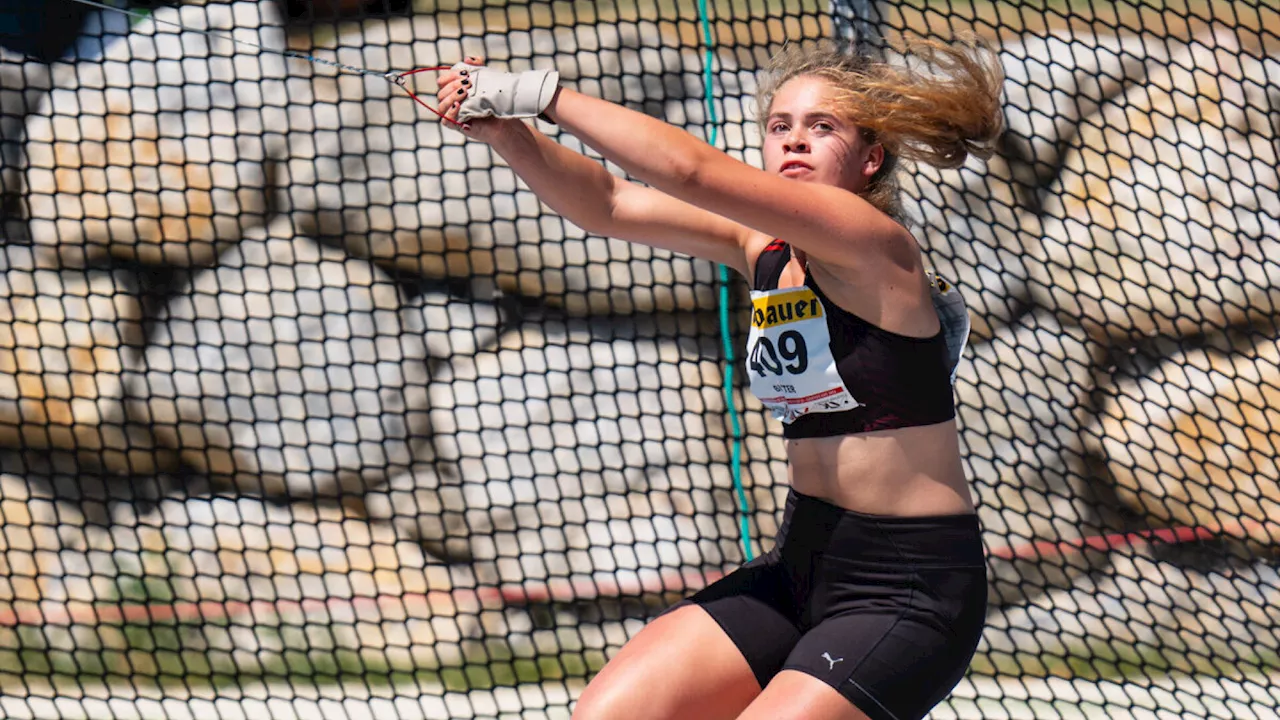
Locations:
(1193, 441)
(1164, 218)
(242, 549)
(974, 232)
(1152, 615)
(37, 561)
(157, 151)
(1052, 83)
(980, 223)
(572, 447)
(286, 370)
(66, 340)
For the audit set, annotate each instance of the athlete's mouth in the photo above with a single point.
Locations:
(794, 165)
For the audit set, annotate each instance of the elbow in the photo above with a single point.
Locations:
(588, 203)
(600, 218)
(676, 166)
(685, 175)
(595, 226)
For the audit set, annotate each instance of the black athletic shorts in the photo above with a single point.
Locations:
(886, 610)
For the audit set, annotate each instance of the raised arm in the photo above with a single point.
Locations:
(838, 122)
(825, 221)
(584, 192)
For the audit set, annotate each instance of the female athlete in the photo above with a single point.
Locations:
(873, 598)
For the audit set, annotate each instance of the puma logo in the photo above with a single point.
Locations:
(827, 657)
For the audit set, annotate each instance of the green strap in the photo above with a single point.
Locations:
(735, 465)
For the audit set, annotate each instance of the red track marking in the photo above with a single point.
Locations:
(1168, 536)
(407, 606)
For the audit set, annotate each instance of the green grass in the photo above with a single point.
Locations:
(172, 657)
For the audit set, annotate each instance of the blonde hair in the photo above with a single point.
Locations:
(938, 107)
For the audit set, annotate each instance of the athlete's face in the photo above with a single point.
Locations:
(806, 139)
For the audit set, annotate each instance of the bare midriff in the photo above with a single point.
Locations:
(907, 472)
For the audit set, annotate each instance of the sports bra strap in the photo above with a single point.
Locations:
(770, 264)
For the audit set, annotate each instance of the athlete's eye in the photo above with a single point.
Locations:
(823, 126)
(778, 127)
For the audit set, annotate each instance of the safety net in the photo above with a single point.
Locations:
(310, 408)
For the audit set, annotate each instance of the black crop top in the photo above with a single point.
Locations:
(824, 371)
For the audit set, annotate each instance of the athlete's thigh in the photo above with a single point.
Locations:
(682, 665)
(882, 665)
(793, 695)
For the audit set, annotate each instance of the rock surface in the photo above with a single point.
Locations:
(66, 340)
(1145, 616)
(1022, 402)
(158, 151)
(1193, 441)
(286, 371)
(1163, 220)
(571, 445)
(412, 385)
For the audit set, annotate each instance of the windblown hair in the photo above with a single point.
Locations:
(939, 106)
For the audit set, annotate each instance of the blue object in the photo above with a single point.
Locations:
(730, 360)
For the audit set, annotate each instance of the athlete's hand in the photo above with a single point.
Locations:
(453, 85)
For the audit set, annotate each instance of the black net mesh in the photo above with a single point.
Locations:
(308, 408)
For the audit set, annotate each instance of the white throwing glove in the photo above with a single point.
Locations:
(495, 93)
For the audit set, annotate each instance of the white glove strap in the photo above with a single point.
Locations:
(495, 93)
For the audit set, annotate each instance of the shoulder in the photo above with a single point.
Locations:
(894, 247)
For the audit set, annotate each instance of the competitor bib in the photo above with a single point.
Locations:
(789, 359)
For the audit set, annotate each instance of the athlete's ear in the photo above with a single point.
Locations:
(874, 161)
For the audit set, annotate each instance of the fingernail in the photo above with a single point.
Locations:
(466, 82)
(464, 72)
(461, 91)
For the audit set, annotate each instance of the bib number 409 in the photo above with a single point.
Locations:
(790, 356)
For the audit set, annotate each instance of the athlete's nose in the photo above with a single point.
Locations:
(795, 142)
